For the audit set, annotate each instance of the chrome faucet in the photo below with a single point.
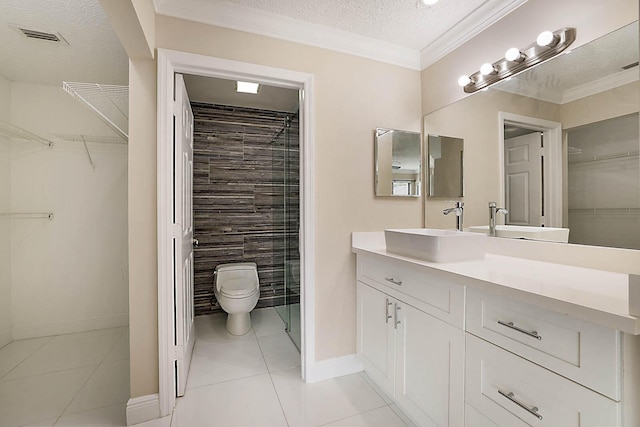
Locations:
(493, 210)
(458, 210)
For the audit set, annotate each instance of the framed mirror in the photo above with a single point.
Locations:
(398, 163)
(445, 166)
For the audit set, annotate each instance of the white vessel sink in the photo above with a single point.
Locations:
(435, 245)
(547, 234)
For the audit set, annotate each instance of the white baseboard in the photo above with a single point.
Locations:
(336, 367)
(5, 337)
(69, 327)
(143, 408)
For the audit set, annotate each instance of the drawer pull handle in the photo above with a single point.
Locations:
(533, 334)
(387, 316)
(392, 280)
(533, 410)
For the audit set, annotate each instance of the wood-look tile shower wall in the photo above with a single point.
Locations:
(239, 196)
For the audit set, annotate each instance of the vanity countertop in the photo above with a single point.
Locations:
(596, 296)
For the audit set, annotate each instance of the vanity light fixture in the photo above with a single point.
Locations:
(246, 87)
(547, 45)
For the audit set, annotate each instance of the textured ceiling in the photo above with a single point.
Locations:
(94, 53)
(407, 23)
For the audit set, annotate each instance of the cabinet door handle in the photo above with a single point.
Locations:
(532, 334)
(392, 280)
(533, 410)
(396, 322)
(387, 316)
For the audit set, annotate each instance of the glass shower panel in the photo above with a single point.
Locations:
(286, 172)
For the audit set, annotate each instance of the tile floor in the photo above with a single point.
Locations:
(67, 380)
(253, 381)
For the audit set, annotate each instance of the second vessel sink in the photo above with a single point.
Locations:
(435, 245)
(547, 234)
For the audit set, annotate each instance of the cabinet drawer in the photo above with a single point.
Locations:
(584, 352)
(433, 291)
(512, 392)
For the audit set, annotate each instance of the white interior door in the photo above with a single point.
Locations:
(523, 179)
(183, 233)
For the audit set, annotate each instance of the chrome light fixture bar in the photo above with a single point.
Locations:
(548, 45)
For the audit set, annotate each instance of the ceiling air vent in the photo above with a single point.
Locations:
(40, 35)
(626, 67)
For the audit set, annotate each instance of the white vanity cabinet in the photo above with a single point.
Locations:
(415, 357)
(499, 342)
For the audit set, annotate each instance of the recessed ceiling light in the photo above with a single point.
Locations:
(429, 2)
(246, 87)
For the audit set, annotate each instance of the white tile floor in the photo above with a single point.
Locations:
(253, 381)
(68, 380)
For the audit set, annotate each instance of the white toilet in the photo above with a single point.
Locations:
(237, 289)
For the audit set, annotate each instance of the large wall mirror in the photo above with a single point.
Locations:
(398, 163)
(578, 114)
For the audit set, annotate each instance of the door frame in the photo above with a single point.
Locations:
(552, 173)
(169, 63)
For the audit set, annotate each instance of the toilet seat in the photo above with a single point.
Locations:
(237, 289)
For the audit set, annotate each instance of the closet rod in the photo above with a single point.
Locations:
(28, 215)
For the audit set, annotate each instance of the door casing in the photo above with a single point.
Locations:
(169, 63)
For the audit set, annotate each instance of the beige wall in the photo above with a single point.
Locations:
(143, 250)
(475, 119)
(591, 18)
(68, 274)
(5, 230)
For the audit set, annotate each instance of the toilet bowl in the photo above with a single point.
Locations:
(237, 290)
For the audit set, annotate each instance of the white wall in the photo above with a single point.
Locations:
(71, 273)
(5, 230)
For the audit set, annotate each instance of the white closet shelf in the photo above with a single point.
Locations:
(109, 102)
(11, 131)
(27, 215)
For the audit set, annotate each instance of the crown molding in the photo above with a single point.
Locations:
(473, 24)
(601, 85)
(236, 17)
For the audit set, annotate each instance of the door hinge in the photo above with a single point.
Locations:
(178, 352)
(176, 230)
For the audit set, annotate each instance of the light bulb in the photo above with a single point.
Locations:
(514, 55)
(429, 2)
(487, 69)
(464, 80)
(547, 38)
